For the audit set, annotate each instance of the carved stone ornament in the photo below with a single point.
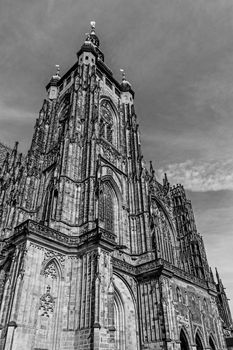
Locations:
(47, 303)
(52, 254)
(51, 271)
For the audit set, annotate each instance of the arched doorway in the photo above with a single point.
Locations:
(199, 343)
(212, 346)
(124, 317)
(183, 341)
(119, 321)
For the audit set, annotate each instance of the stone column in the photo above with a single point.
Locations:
(10, 335)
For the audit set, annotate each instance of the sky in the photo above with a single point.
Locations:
(178, 56)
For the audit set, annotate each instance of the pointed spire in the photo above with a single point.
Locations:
(123, 75)
(19, 160)
(5, 166)
(217, 274)
(92, 27)
(165, 181)
(152, 172)
(15, 149)
(211, 275)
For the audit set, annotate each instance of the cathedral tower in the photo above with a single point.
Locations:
(95, 252)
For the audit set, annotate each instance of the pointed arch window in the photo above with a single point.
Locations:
(199, 343)
(48, 303)
(106, 208)
(50, 204)
(212, 346)
(47, 205)
(178, 295)
(183, 341)
(106, 126)
(119, 320)
(205, 306)
(102, 127)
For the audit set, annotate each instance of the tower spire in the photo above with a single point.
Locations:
(92, 37)
(52, 87)
(92, 43)
(123, 75)
(92, 27)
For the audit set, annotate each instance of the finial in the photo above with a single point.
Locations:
(16, 146)
(58, 70)
(217, 275)
(92, 27)
(88, 37)
(123, 74)
(165, 180)
(126, 86)
(92, 37)
(152, 170)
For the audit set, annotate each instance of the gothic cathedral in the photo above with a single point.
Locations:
(95, 252)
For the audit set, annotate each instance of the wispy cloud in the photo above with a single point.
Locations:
(201, 175)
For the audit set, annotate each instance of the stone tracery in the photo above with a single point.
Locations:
(47, 303)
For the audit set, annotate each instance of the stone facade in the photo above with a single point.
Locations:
(95, 252)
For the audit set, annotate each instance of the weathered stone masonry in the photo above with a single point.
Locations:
(95, 252)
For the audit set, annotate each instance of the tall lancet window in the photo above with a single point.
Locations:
(107, 128)
(106, 208)
(50, 204)
(46, 214)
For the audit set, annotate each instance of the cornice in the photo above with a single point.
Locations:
(45, 236)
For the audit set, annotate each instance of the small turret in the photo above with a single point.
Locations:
(92, 36)
(90, 49)
(127, 92)
(52, 87)
(126, 86)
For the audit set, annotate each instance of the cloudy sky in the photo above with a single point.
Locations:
(178, 56)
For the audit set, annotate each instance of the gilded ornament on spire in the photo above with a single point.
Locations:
(125, 84)
(57, 75)
(123, 74)
(92, 27)
(92, 37)
(58, 70)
